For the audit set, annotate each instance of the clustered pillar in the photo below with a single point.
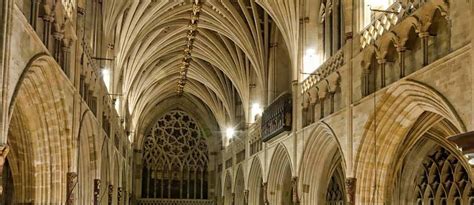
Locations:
(351, 190)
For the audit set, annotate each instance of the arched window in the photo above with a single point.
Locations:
(332, 24)
(175, 159)
(335, 194)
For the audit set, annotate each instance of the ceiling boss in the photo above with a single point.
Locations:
(187, 57)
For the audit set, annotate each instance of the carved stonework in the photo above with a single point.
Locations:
(294, 189)
(246, 196)
(264, 190)
(119, 195)
(233, 199)
(175, 141)
(96, 191)
(71, 180)
(4, 149)
(351, 190)
(111, 193)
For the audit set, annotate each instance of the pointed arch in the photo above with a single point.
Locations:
(322, 152)
(395, 114)
(255, 182)
(280, 176)
(228, 196)
(239, 186)
(39, 133)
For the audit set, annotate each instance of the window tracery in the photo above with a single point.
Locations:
(175, 159)
(335, 193)
(443, 179)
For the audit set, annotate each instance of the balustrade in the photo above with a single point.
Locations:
(384, 21)
(327, 68)
(277, 118)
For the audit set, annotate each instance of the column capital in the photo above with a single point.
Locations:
(351, 189)
(4, 149)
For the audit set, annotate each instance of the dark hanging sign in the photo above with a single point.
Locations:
(277, 117)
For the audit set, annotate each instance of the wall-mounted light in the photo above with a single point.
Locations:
(311, 61)
(230, 133)
(465, 141)
(106, 77)
(255, 111)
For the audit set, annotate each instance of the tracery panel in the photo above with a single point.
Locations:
(443, 180)
(175, 159)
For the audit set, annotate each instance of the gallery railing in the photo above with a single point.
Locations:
(277, 117)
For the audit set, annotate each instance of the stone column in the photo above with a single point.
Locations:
(401, 55)
(246, 197)
(4, 149)
(34, 14)
(294, 189)
(351, 190)
(110, 194)
(96, 191)
(366, 82)
(424, 43)
(232, 200)
(264, 191)
(71, 182)
(48, 20)
(58, 37)
(382, 72)
(321, 107)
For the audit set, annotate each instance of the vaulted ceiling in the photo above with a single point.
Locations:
(229, 52)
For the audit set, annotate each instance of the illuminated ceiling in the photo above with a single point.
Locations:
(228, 52)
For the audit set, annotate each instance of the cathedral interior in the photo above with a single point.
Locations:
(237, 102)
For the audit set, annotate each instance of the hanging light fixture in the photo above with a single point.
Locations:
(465, 141)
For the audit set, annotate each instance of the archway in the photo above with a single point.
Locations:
(87, 161)
(239, 187)
(255, 183)
(175, 155)
(422, 109)
(228, 196)
(280, 178)
(323, 153)
(39, 135)
(430, 170)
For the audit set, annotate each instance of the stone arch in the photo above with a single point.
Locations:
(106, 159)
(87, 158)
(239, 186)
(255, 182)
(428, 158)
(39, 133)
(404, 102)
(228, 195)
(322, 152)
(280, 176)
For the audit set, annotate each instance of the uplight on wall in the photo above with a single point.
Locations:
(374, 4)
(106, 77)
(255, 111)
(230, 133)
(311, 61)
